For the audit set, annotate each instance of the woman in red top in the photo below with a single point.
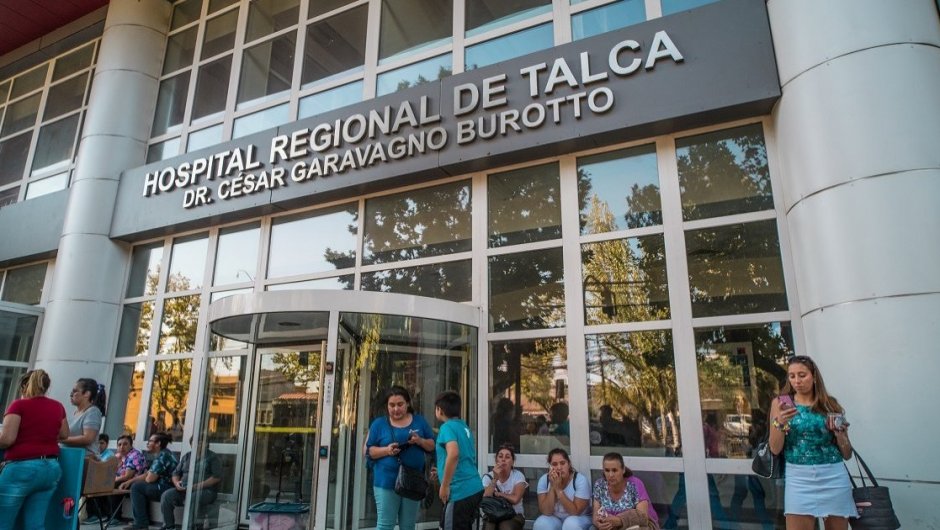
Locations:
(32, 428)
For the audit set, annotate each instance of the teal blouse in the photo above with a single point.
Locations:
(809, 442)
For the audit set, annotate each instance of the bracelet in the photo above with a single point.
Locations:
(784, 427)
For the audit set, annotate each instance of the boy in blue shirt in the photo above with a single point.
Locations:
(461, 487)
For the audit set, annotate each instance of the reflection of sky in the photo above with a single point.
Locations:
(236, 257)
(674, 6)
(509, 46)
(607, 18)
(611, 178)
(289, 256)
(336, 283)
(509, 19)
(219, 368)
(388, 82)
(204, 138)
(188, 260)
(260, 121)
(331, 99)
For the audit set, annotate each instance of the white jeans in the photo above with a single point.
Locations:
(572, 522)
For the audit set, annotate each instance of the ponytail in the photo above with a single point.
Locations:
(34, 383)
(96, 392)
(101, 400)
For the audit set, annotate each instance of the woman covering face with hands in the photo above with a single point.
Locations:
(564, 496)
(509, 483)
(400, 436)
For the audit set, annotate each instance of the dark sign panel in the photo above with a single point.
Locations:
(704, 66)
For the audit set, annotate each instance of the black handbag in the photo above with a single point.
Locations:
(411, 483)
(496, 509)
(765, 463)
(875, 511)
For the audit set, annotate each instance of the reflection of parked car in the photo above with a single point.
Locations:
(738, 424)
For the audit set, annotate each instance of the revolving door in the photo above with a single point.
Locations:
(293, 381)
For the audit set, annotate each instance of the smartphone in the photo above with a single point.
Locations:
(786, 402)
(836, 421)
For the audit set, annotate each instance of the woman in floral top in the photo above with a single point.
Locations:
(133, 461)
(808, 427)
(620, 499)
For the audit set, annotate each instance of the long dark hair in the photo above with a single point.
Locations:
(96, 392)
(822, 401)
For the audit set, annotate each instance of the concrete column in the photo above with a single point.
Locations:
(858, 134)
(83, 312)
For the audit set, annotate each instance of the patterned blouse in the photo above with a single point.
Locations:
(134, 460)
(809, 442)
(633, 494)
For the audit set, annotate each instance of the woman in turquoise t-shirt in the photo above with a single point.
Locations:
(810, 430)
(402, 437)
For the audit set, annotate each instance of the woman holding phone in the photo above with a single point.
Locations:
(808, 426)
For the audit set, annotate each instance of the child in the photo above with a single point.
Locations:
(461, 486)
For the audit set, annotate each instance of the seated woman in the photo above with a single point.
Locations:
(509, 483)
(620, 499)
(564, 496)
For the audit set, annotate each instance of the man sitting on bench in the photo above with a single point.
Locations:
(206, 479)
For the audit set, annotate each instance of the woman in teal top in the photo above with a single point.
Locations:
(810, 430)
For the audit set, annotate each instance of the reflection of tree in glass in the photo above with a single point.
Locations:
(300, 368)
(529, 370)
(527, 291)
(418, 224)
(442, 72)
(724, 173)
(170, 390)
(448, 281)
(621, 284)
(524, 206)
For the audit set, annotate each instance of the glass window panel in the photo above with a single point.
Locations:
(185, 12)
(674, 6)
(4, 90)
(632, 396)
(329, 242)
(204, 138)
(320, 7)
(13, 153)
(270, 16)
(17, 332)
(218, 295)
(740, 371)
(619, 190)
(124, 397)
(524, 205)
(180, 48)
(47, 185)
(21, 115)
(56, 143)
(10, 382)
(73, 62)
(179, 323)
(625, 280)
(219, 34)
(267, 68)
(225, 383)
(419, 223)
(727, 495)
(331, 99)
(212, 87)
(215, 5)
(237, 255)
(145, 270)
(65, 97)
(169, 394)
(527, 290)
(735, 269)
(336, 45)
(23, 285)
(31, 80)
(163, 150)
(9, 196)
(723, 173)
(261, 120)
(447, 281)
(171, 103)
(529, 395)
(413, 75)
(411, 25)
(339, 283)
(607, 18)
(187, 264)
(509, 46)
(218, 342)
(136, 327)
(484, 15)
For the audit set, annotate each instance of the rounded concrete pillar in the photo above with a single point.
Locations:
(858, 137)
(83, 310)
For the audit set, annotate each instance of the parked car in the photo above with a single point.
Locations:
(738, 424)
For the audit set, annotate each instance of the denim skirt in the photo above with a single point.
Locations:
(818, 490)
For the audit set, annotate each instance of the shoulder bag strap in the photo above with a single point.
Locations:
(862, 465)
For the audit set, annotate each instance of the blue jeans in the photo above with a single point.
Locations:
(141, 495)
(27, 484)
(391, 508)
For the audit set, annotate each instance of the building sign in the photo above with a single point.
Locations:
(703, 66)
